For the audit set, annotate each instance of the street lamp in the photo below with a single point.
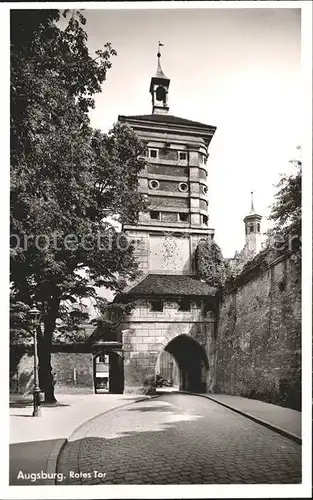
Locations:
(34, 319)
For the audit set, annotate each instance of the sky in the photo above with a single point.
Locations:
(236, 69)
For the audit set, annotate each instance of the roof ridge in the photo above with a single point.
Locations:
(167, 118)
(169, 284)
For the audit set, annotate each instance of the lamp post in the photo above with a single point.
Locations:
(35, 318)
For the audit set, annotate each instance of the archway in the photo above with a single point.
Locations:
(192, 362)
(108, 369)
(167, 370)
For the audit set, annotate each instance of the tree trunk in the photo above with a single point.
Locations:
(46, 380)
(45, 370)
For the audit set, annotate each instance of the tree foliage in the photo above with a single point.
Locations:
(66, 179)
(286, 210)
(19, 324)
(210, 265)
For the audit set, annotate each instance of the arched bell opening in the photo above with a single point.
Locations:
(192, 362)
(108, 369)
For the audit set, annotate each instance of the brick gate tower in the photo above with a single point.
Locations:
(174, 308)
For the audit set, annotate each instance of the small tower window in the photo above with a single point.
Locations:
(182, 217)
(205, 219)
(202, 159)
(251, 228)
(204, 189)
(154, 215)
(160, 94)
(258, 226)
(154, 184)
(103, 358)
(153, 153)
(183, 187)
(182, 155)
(156, 306)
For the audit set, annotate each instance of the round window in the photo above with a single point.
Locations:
(154, 184)
(183, 186)
(204, 189)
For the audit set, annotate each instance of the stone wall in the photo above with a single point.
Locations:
(168, 170)
(161, 202)
(166, 252)
(73, 372)
(259, 333)
(169, 253)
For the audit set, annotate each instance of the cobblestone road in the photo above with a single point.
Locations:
(178, 439)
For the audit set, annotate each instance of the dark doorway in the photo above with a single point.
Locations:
(192, 362)
(108, 369)
(116, 385)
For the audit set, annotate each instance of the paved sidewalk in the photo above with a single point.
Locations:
(35, 442)
(283, 420)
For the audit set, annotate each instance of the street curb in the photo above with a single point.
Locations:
(53, 459)
(258, 420)
(54, 456)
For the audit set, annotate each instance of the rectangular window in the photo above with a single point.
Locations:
(156, 306)
(182, 155)
(154, 215)
(205, 219)
(183, 217)
(184, 305)
(153, 153)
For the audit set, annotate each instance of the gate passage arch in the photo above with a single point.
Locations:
(192, 362)
(108, 371)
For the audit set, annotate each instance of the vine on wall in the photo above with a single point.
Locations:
(210, 264)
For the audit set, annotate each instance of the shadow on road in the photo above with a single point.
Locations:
(161, 408)
(27, 404)
(29, 458)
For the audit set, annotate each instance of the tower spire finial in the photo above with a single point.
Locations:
(159, 69)
(159, 49)
(252, 211)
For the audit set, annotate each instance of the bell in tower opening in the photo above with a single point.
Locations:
(161, 94)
